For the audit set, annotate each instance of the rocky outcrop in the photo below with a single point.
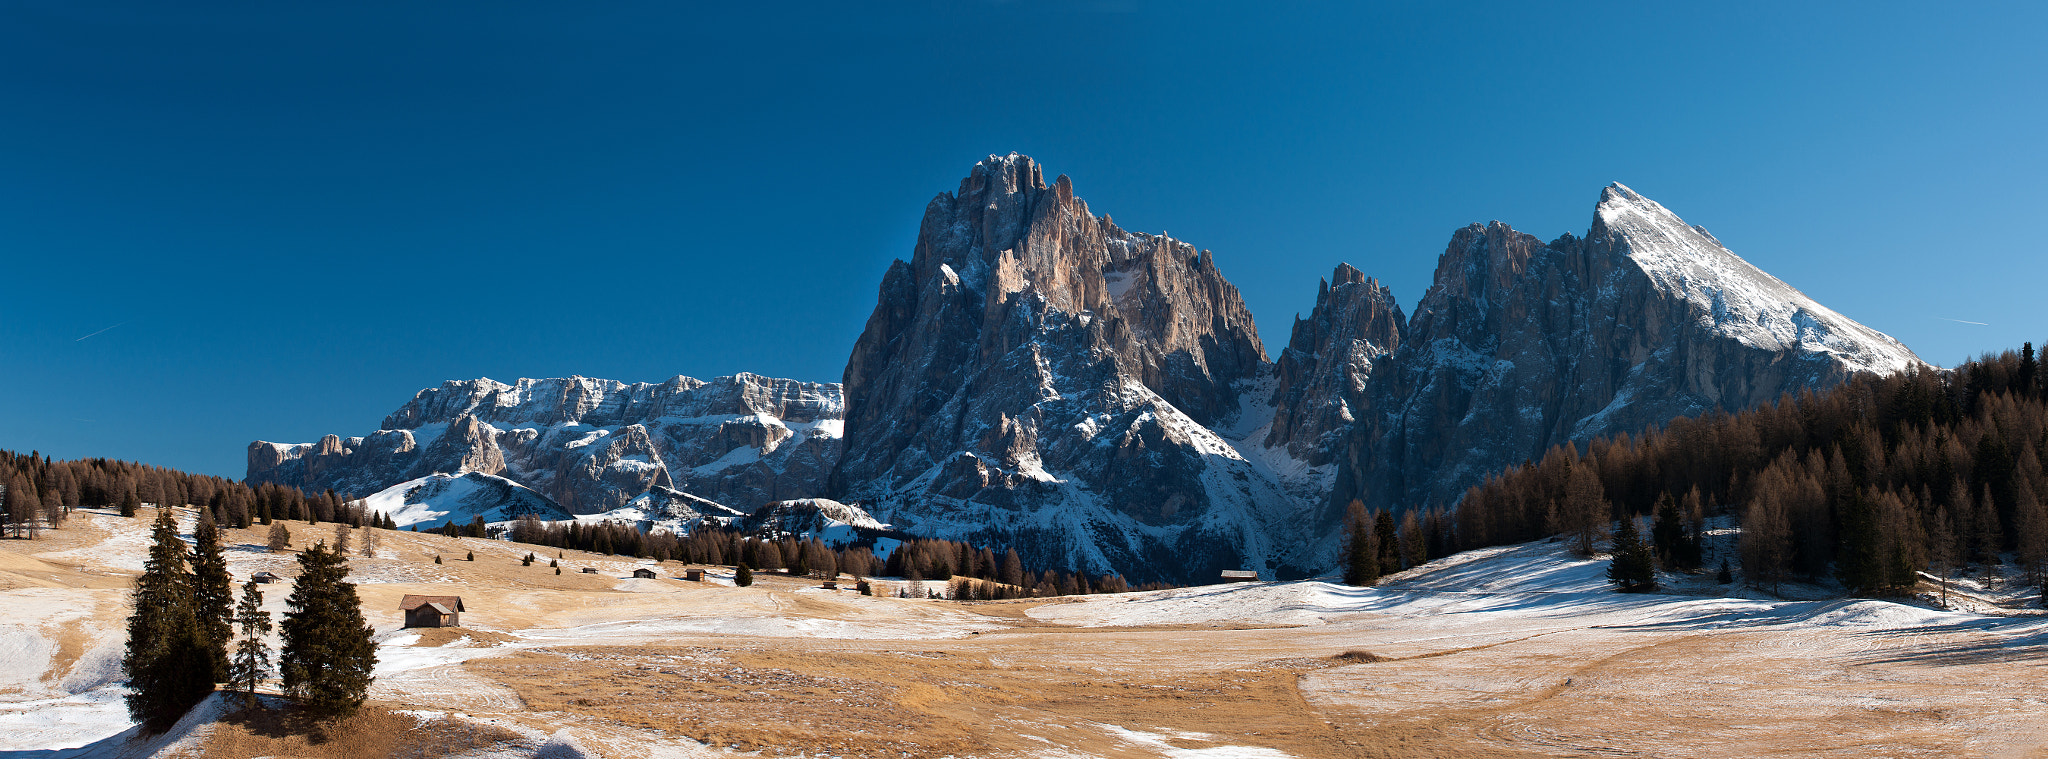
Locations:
(590, 445)
(1039, 376)
(1520, 346)
(1320, 379)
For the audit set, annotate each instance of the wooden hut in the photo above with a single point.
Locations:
(831, 585)
(693, 575)
(644, 573)
(431, 611)
(590, 570)
(1240, 575)
(265, 578)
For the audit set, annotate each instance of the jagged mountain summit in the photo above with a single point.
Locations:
(1519, 346)
(591, 445)
(1040, 377)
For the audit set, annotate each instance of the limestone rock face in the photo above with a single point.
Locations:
(1520, 346)
(590, 445)
(1037, 376)
(1321, 377)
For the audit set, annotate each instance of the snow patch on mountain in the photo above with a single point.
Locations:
(1733, 296)
(439, 499)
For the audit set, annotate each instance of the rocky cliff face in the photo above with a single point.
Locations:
(1520, 346)
(1321, 378)
(590, 445)
(1037, 376)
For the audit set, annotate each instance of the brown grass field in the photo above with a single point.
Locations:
(1422, 668)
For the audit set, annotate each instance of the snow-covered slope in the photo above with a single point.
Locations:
(820, 518)
(439, 499)
(1733, 297)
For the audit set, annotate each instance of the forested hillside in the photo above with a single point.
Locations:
(40, 492)
(1867, 483)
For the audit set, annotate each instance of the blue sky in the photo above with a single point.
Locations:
(287, 220)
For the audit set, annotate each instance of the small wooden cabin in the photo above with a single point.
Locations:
(831, 585)
(1240, 575)
(265, 578)
(644, 573)
(590, 570)
(693, 575)
(432, 611)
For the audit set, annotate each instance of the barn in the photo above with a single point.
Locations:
(1240, 575)
(644, 573)
(432, 611)
(693, 575)
(265, 577)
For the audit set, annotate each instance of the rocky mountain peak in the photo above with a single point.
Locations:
(1320, 379)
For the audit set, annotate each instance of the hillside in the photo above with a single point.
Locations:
(1509, 651)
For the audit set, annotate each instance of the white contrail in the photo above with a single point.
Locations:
(82, 339)
(1960, 321)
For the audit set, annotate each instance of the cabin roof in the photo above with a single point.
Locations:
(447, 603)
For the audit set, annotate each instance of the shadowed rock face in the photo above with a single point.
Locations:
(1039, 375)
(591, 445)
(1520, 346)
(1321, 377)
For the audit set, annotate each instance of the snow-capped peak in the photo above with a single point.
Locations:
(1732, 296)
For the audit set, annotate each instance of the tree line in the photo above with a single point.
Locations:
(37, 492)
(1869, 482)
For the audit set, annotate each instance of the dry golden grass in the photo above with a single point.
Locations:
(372, 733)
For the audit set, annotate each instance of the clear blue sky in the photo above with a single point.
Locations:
(298, 217)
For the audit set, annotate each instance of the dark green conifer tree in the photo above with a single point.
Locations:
(251, 662)
(1388, 542)
(168, 666)
(213, 593)
(743, 576)
(129, 503)
(1632, 569)
(1859, 561)
(1361, 560)
(328, 656)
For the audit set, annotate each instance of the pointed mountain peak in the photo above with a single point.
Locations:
(1346, 274)
(1013, 173)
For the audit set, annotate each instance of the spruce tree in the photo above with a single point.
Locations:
(1632, 569)
(129, 504)
(328, 656)
(1387, 542)
(168, 665)
(252, 654)
(213, 593)
(1361, 557)
(743, 576)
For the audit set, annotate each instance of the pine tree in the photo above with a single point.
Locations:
(743, 576)
(251, 663)
(328, 656)
(1388, 542)
(1632, 570)
(168, 666)
(1726, 575)
(213, 593)
(129, 504)
(1361, 563)
(1859, 562)
(471, 557)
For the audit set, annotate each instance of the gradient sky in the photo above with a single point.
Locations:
(277, 221)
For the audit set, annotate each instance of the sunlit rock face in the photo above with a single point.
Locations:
(590, 445)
